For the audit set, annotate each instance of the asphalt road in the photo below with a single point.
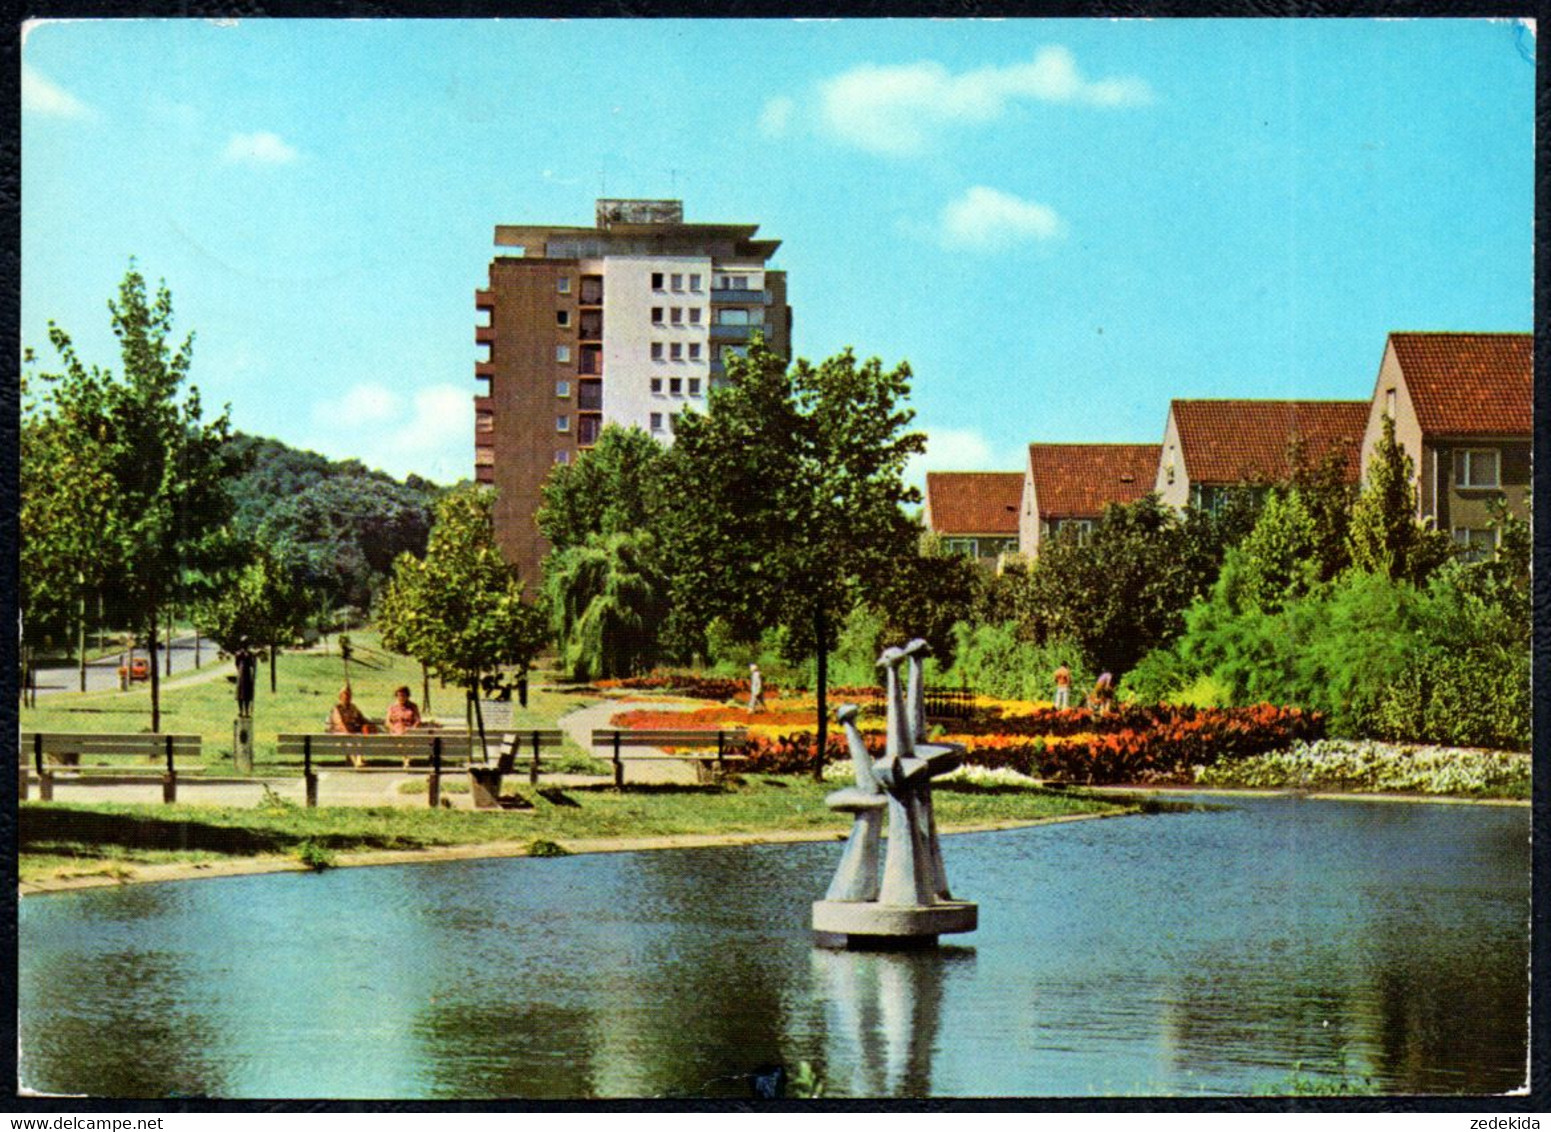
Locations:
(102, 675)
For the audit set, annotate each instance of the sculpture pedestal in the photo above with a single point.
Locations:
(242, 744)
(859, 925)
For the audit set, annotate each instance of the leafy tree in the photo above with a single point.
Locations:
(1278, 560)
(1326, 494)
(1384, 536)
(607, 602)
(788, 499)
(1118, 595)
(925, 595)
(460, 609)
(162, 468)
(262, 607)
(346, 532)
(610, 490)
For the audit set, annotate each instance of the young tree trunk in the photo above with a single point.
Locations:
(81, 640)
(425, 689)
(170, 635)
(274, 662)
(821, 636)
(155, 675)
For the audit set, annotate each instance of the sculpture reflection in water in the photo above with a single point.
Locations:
(884, 1012)
(911, 905)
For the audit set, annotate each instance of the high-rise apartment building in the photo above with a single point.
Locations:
(628, 322)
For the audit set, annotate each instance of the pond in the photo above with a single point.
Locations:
(1218, 951)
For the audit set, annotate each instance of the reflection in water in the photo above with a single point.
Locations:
(886, 1008)
(1204, 952)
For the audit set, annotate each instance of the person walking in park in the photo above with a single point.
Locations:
(756, 690)
(1063, 679)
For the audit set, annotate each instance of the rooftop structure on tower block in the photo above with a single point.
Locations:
(627, 322)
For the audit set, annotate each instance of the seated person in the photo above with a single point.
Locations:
(346, 718)
(403, 715)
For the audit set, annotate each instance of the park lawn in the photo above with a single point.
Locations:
(307, 684)
(57, 840)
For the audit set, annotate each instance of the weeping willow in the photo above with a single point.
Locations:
(607, 601)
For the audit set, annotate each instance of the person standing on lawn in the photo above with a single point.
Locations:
(1063, 678)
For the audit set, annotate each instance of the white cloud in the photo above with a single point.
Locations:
(988, 220)
(955, 450)
(362, 404)
(430, 431)
(261, 148)
(776, 116)
(40, 96)
(898, 110)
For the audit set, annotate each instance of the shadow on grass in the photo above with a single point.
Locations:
(74, 832)
(56, 828)
(652, 788)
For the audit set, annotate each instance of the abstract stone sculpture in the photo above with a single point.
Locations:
(911, 906)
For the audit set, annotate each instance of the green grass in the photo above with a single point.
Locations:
(306, 687)
(56, 839)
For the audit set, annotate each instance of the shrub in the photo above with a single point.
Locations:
(993, 660)
(316, 857)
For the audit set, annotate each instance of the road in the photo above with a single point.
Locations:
(102, 675)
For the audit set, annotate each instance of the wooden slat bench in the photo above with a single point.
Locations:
(711, 751)
(55, 753)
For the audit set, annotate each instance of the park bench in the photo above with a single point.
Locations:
(429, 751)
(710, 751)
(65, 754)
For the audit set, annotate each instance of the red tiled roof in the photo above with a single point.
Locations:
(1468, 383)
(1224, 442)
(1077, 481)
(974, 503)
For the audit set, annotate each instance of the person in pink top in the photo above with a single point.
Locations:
(403, 715)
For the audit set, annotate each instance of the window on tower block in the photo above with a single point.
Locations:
(562, 423)
(656, 419)
(562, 353)
(562, 457)
(562, 389)
(657, 315)
(676, 385)
(694, 316)
(656, 385)
(694, 387)
(677, 315)
(694, 282)
(678, 282)
(676, 351)
(694, 351)
(562, 318)
(563, 285)
(656, 351)
(656, 281)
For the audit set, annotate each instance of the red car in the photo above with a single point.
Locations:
(139, 669)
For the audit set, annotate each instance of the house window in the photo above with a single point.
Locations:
(562, 389)
(694, 387)
(967, 546)
(1079, 531)
(1475, 467)
(562, 318)
(562, 457)
(676, 351)
(562, 423)
(1389, 403)
(677, 314)
(563, 285)
(678, 282)
(656, 419)
(1475, 543)
(657, 315)
(694, 282)
(656, 281)
(676, 386)
(694, 316)
(562, 353)
(694, 351)
(656, 351)
(656, 385)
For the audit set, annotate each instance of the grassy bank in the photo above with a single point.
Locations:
(307, 684)
(58, 841)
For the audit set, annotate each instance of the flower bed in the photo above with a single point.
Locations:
(1334, 764)
(687, 683)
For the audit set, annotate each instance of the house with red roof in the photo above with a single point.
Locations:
(1067, 486)
(975, 513)
(1463, 410)
(1211, 446)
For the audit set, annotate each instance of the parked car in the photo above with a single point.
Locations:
(139, 669)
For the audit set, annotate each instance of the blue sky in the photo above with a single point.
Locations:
(1060, 224)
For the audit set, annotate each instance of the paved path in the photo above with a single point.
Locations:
(102, 675)
(581, 723)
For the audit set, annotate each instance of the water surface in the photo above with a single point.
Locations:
(1203, 953)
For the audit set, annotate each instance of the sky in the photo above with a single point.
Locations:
(1060, 224)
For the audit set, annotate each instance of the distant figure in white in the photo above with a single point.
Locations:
(756, 689)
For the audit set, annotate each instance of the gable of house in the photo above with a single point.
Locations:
(974, 507)
(1065, 483)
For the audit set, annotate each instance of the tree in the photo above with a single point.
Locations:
(1384, 536)
(460, 609)
(611, 489)
(161, 468)
(788, 498)
(262, 607)
(607, 603)
(1279, 559)
(1120, 594)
